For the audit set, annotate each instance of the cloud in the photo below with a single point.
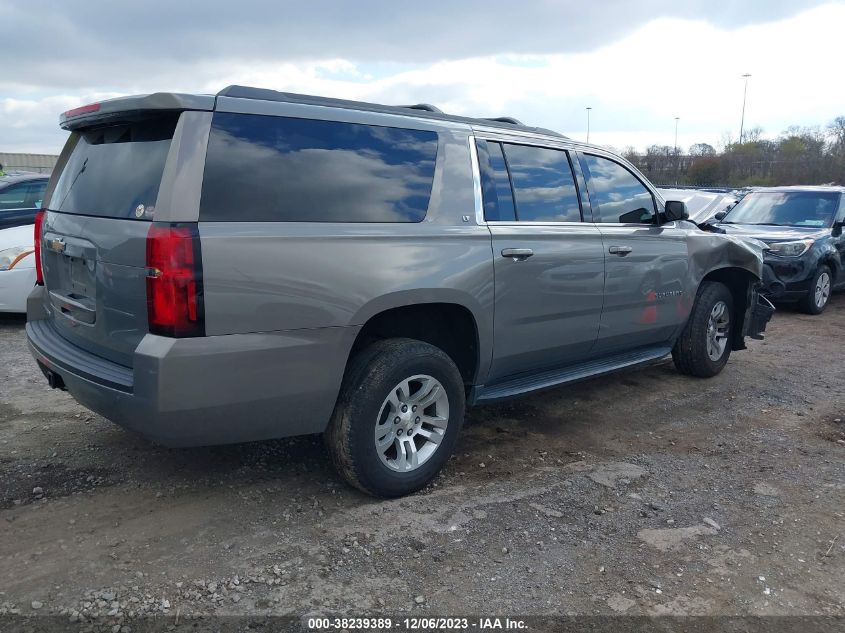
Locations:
(637, 64)
(101, 42)
(31, 125)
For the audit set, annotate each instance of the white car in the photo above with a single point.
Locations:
(702, 205)
(17, 267)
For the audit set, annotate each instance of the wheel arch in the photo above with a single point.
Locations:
(832, 261)
(438, 319)
(740, 282)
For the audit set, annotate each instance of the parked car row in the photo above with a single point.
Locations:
(803, 230)
(702, 204)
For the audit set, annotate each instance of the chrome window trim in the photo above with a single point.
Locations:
(476, 182)
(531, 141)
(517, 223)
(631, 225)
(503, 135)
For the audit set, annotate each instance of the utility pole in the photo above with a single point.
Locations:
(744, 94)
(588, 123)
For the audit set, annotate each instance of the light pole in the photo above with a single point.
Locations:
(677, 156)
(677, 118)
(588, 123)
(744, 94)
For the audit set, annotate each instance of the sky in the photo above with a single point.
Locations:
(638, 65)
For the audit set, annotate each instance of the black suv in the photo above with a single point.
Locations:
(802, 227)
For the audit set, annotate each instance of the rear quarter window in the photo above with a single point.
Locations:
(265, 168)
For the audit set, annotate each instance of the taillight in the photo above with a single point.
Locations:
(174, 281)
(39, 271)
(86, 109)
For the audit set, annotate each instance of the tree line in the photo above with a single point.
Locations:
(799, 156)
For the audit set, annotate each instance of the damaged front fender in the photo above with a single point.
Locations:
(738, 263)
(709, 252)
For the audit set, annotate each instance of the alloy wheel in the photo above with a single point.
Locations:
(822, 290)
(411, 423)
(718, 329)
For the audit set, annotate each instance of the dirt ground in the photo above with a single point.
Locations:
(643, 493)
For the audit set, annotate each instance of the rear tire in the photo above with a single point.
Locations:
(397, 418)
(815, 301)
(704, 346)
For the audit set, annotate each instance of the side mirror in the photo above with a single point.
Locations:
(721, 215)
(837, 228)
(676, 210)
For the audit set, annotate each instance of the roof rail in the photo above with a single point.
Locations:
(423, 106)
(505, 119)
(425, 110)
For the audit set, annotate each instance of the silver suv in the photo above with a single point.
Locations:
(255, 264)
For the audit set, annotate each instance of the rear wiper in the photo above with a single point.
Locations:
(75, 178)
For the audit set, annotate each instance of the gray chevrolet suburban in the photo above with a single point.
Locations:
(255, 264)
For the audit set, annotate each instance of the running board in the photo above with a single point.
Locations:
(551, 378)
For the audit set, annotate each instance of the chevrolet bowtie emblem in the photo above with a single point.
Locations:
(57, 245)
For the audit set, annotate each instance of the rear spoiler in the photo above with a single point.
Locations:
(127, 108)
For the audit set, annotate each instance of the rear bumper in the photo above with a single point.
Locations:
(210, 390)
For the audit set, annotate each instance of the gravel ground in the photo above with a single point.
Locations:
(643, 493)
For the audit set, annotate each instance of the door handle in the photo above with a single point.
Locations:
(73, 308)
(517, 254)
(620, 250)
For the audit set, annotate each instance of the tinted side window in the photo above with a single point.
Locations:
(543, 184)
(35, 193)
(266, 168)
(495, 183)
(617, 196)
(14, 196)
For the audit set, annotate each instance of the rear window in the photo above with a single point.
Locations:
(265, 168)
(543, 184)
(115, 171)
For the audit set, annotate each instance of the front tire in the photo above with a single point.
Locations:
(815, 301)
(397, 418)
(704, 346)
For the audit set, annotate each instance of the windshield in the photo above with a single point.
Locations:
(786, 208)
(115, 171)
